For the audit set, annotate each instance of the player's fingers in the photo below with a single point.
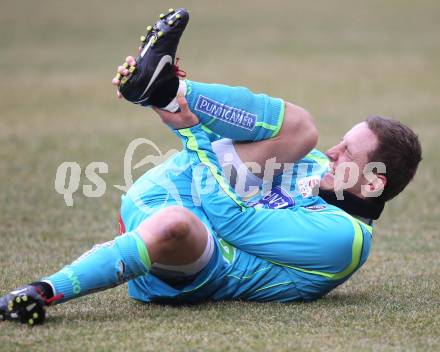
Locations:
(118, 94)
(130, 60)
(139, 49)
(116, 80)
(123, 70)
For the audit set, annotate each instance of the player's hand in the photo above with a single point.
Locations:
(123, 71)
(177, 120)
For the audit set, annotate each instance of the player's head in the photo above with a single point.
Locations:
(376, 158)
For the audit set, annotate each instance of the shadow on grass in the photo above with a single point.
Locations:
(133, 310)
(363, 298)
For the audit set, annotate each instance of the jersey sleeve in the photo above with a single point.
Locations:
(314, 241)
(235, 112)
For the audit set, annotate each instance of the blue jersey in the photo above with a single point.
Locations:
(287, 245)
(298, 182)
(304, 234)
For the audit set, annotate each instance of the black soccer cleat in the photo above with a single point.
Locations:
(155, 63)
(25, 305)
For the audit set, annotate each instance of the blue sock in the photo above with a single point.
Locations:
(105, 265)
(235, 112)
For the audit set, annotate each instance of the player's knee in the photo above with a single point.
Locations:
(176, 223)
(170, 229)
(173, 236)
(179, 226)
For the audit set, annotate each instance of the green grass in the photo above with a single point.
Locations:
(342, 60)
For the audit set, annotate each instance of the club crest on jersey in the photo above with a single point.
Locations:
(228, 114)
(277, 198)
(308, 186)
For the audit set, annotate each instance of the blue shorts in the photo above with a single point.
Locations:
(230, 274)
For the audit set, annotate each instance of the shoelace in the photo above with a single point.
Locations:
(48, 301)
(54, 299)
(179, 73)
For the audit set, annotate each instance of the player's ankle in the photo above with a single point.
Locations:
(173, 105)
(45, 287)
(165, 93)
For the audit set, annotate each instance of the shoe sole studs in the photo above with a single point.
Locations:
(16, 307)
(152, 40)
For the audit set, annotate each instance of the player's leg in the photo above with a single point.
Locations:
(232, 112)
(173, 236)
(151, 79)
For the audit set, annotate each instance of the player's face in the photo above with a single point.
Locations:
(349, 154)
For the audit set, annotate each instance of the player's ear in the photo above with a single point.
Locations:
(383, 179)
(375, 186)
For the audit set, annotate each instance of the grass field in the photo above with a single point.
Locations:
(342, 60)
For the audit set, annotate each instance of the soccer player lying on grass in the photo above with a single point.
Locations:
(189, 237)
